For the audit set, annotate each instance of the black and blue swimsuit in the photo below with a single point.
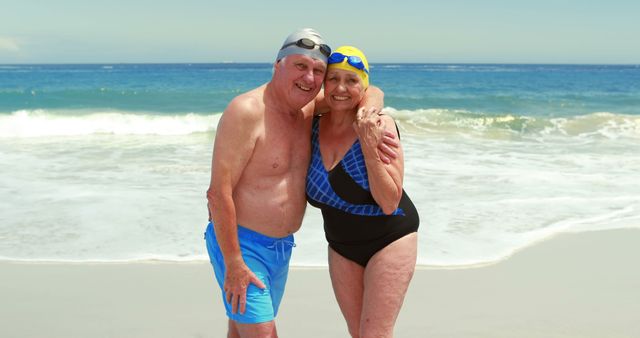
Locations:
(355, 226)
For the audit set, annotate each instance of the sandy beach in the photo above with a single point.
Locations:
(573, 285)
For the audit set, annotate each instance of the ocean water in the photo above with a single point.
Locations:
(103, 163)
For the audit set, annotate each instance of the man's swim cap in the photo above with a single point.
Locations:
(343, 58)
(305, 41)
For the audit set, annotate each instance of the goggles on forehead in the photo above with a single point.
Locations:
(310, 44)
(353, 60)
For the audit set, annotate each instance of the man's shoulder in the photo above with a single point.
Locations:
(247, 106)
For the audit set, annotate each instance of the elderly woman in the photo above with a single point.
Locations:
(369, 221)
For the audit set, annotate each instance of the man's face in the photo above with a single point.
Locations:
(302, 76)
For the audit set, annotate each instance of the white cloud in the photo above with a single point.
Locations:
(8, 44)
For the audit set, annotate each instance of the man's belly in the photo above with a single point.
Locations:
(272, 212)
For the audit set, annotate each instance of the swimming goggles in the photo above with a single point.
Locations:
(353, 60)
(310, 44)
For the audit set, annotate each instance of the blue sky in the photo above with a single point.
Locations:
(453, 31)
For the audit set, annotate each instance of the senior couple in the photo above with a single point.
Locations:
(288, 142)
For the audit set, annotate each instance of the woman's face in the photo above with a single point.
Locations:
(343, 89)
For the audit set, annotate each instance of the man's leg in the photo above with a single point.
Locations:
(233, 331)
(260, 330)
(260, 308)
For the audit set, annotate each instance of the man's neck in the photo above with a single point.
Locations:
(276, 100)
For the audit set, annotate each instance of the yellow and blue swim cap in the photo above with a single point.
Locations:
(352, 59)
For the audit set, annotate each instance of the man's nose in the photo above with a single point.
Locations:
(309, 76)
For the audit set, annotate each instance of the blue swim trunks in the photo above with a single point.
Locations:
(268, 258)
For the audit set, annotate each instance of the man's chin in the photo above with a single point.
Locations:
(305, 96)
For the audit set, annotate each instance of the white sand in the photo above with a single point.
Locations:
(574, 285)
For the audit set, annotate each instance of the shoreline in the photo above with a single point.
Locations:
(570, 285)
(205, 259)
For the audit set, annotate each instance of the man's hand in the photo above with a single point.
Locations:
(386, 147)
(236, 281)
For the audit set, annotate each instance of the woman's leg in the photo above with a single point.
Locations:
(347, 281)
(386, 279)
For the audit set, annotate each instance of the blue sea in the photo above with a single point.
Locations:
(110, 162)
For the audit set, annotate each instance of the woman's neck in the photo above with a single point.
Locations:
(340, 120)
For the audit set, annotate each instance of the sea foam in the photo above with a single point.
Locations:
(41, 123)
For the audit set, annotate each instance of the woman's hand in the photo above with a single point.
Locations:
(371, 130)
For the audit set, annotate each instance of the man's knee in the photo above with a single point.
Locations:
(260, 330)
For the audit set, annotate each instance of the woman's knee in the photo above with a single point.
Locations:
(375, 330)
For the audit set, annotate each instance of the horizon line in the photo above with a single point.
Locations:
(373, 63)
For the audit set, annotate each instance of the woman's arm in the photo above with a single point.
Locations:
(385, 179)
